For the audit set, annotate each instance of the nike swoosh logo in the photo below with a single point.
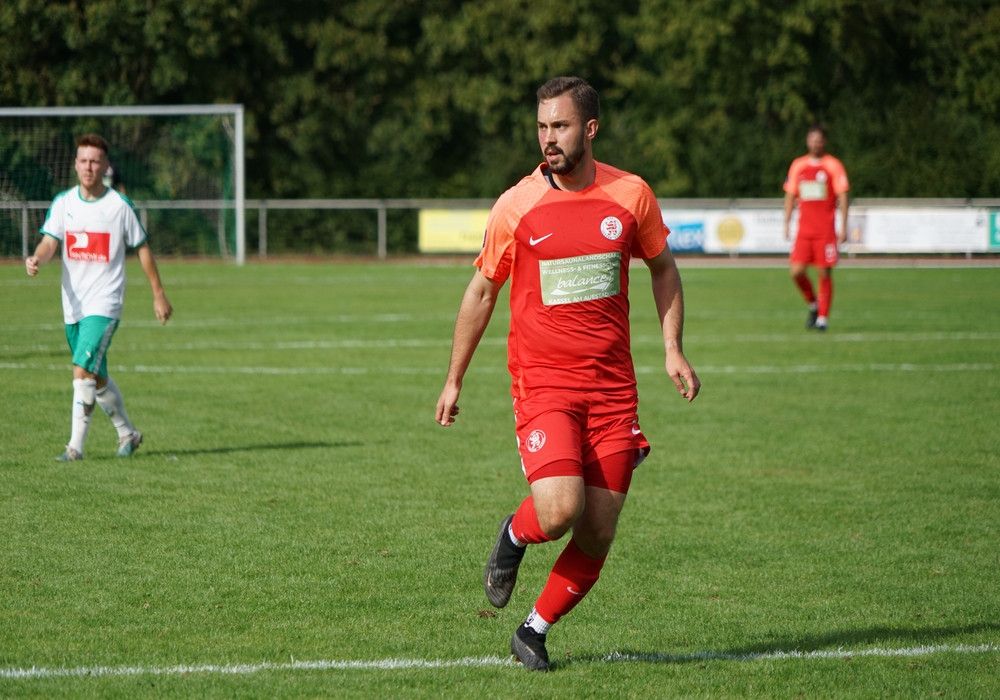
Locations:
(536, 241)
(636, 431)
(571, 591)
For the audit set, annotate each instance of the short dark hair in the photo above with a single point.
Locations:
(94, 141)
(821, 128)
(585, 97)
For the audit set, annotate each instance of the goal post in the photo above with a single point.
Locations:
(183, 164)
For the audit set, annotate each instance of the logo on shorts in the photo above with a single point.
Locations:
(611, 228)
(535, 441)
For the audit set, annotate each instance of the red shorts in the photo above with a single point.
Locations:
(821, 252)
(583, 428)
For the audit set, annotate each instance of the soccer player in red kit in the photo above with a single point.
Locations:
(564, 237)
(818, 182)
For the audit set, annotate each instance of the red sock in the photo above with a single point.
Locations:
(572, 577)
(806, 286)
(525, 524)
(825, 295)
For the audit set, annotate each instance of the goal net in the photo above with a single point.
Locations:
(182, 167)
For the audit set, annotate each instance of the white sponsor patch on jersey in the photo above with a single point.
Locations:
(582, 278)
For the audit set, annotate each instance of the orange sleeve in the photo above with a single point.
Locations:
(634, 194)
(497, 256)
(838, 175)
(651, 238)
(791, 181)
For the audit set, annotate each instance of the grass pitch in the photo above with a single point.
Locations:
(821, 522)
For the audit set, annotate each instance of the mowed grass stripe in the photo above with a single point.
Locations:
(404, 343)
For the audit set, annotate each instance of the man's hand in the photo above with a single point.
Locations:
(682, 375)
(447, 405)
(162, 309)
(44, 252)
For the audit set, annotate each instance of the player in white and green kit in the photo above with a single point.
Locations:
(94, 224)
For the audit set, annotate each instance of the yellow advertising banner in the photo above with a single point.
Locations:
(452, 230)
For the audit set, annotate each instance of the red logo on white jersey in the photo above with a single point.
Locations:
(611, 228)
(88, 247)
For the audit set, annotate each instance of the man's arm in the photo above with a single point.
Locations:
(161, 306)
(843, 202)
(44, 252)
(473, 316)
(669, 297)
(789, 207)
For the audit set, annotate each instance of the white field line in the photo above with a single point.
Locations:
(704, 370)
(480, 662)
(391, 344)
(493, 369)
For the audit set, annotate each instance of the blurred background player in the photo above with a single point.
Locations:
(564, 236)
(113, 177)
(94, 224)
(817, 182)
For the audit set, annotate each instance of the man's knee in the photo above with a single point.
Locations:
(559, 501)
(559, 498)
(557, 517)
(595, 538)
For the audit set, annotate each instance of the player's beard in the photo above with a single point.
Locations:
(90, 179)
(569, 160)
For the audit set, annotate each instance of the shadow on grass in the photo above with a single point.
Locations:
(252, 448)
(841, 643)
(875, 635)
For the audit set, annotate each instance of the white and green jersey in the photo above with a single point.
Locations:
(94, 235)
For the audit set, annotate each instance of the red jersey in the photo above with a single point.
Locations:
(568, 254)
(817, 182)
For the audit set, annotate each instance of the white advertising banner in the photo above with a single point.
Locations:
(921, 230)
(870, 230)
(760, 230)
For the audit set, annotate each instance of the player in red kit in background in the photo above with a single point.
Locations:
(817, 182)
(564, 236)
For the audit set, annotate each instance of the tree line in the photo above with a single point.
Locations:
(435, 98)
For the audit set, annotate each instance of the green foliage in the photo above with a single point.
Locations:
(721, 92)
(398, 98)
(294, 499)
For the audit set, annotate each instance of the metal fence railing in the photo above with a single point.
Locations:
(31, 214)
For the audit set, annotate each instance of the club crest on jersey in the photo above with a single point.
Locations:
(535, 441)
(88, 247)
(611, 228)
(821, 176)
